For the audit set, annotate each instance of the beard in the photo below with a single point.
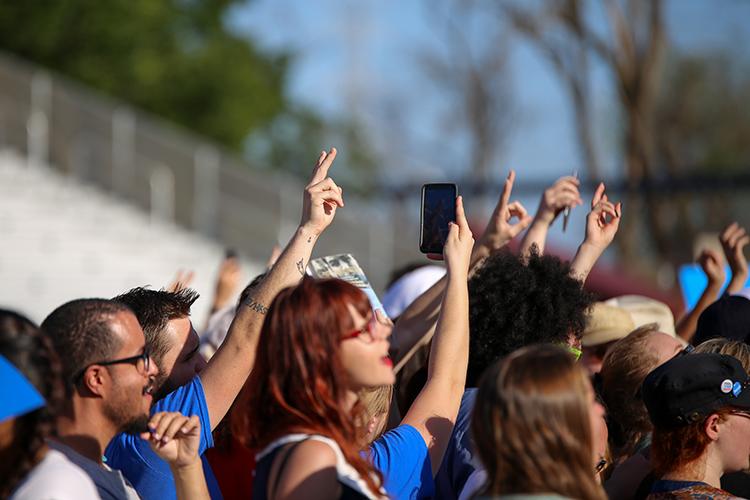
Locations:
(122, 413)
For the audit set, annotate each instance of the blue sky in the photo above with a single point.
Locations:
(360, 56)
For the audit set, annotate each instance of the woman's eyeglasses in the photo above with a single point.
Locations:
(366, 334)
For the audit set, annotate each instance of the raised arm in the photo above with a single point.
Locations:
(416, 325)
(601, 227)
(713, 265)
(562, 194)
(434, 411)
(733, 240)
(228, 369)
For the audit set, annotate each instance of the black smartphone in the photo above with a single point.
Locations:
(438, 209)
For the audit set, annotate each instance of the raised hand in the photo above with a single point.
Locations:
(500, 230)
(175, 438)
(603, 220)
(562, 194)
(227, 282)
(322, 196)
(181, 280)
(713, 265)
(460, 241)
(733, 240)
(601, 227)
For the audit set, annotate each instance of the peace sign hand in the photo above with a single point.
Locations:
(322, 196)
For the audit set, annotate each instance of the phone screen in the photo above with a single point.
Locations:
(438, 209)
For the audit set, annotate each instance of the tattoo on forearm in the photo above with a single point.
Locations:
(301, 267)
(309, 239)
(256, 306)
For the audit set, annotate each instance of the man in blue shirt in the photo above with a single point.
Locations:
(186, 383)
(173, 343)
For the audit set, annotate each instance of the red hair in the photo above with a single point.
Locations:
(298, 383)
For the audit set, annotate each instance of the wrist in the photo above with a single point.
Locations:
(194, 466)
(590, 247)
(308, 231)
(543, 217)
(714, 285)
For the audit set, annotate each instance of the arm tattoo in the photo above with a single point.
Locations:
(309, 239)
(301, 267)
(256, 306)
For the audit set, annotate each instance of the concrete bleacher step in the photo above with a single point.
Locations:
(62, 240)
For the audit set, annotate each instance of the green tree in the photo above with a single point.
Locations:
(179, 60)
(174, 58)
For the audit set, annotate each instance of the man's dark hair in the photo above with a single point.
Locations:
(513, 304)
(154, 309)
(80, 333)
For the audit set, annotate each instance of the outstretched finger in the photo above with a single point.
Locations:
(321, 170)
(461, 214)
(507, 189)
(597, 194)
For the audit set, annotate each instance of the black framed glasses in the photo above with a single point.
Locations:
(141, 361)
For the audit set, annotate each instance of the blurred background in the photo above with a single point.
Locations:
(139, 137)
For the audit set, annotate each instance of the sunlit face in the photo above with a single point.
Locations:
(598, 423)
(182, 361)
(365, 355)
(128, 402)
(733, 442)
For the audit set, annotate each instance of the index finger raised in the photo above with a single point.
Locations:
(320, 171)
(507, 188)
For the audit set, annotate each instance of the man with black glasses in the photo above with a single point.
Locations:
(109, 379)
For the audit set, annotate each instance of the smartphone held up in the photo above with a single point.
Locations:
(437, 210)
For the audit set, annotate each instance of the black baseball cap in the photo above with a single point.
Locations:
(728, 317)
(689, 388)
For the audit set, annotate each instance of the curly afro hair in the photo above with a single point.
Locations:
(513, 304)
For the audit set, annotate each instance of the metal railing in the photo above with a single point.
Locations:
(177, 176)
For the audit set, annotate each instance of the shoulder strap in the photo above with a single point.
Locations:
(287, 453)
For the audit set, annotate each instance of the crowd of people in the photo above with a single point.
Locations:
(495, 375)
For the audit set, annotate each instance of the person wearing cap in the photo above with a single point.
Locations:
(30, 390)
(605, 325)
(728, 317)
(700, 408)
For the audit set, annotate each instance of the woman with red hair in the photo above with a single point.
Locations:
(320, 346)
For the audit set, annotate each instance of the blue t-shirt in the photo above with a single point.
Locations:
(402, 457)
(458, 462)
(149, 474)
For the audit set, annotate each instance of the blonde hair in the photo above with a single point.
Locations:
(735, 348)
(623, 371)
(531, 425)
(377, 402)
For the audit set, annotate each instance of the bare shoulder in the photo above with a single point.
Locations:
(310, 473)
